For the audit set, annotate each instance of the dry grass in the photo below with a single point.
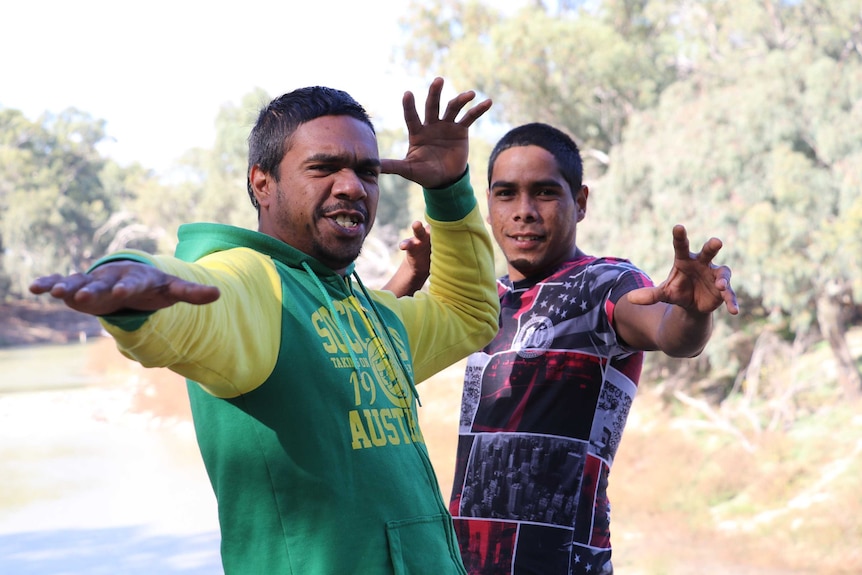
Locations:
(790, 506)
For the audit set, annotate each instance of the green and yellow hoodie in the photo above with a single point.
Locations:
(302, 390)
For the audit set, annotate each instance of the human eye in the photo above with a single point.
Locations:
(548, 192)
(323, 167)
(369, 172)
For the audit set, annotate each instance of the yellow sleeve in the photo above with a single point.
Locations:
(229, 346)
(459, 314)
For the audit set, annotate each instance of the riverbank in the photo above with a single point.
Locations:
(30, 322)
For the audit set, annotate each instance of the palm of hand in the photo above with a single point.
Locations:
(692, 285)
(440, 148)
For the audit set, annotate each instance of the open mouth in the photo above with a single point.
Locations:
(348, 221)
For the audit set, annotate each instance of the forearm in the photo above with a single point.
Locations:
(682, 333)
(228, 343)
(462, 270)
(459, 313)
(405, 281)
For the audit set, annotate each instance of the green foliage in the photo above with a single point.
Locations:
(51, 197)
(395, 210)
(760, 157)
(582, 71)
(740, 119)
(214, 185)
(143, 213)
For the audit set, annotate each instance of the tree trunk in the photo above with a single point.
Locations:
(830, 316)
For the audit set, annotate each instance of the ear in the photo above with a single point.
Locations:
(262, 185)
(581, 201)
(488, 203)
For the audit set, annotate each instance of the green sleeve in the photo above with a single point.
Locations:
(452, 203)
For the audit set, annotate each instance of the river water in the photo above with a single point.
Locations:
(89, 487)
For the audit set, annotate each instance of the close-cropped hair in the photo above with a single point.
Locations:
(277, 122)
(555, 141)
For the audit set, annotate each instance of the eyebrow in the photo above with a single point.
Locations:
(345, 159)
(549, 183)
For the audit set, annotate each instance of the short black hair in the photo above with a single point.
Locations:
(283, 115)
(555, 141)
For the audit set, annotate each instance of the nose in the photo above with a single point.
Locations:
(525, 209)
(348, 185)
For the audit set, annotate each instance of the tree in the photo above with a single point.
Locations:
(51, 197)
(739, 118)
(584, 69)
(145, 211)
(213, 187)
(760, 145)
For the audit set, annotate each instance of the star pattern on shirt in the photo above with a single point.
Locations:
(566, 301)
(586, 563)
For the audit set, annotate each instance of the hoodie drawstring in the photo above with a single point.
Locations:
(387, 351)
(335, 315)
(404, 371)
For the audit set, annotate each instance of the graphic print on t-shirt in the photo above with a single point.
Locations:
(543, 410)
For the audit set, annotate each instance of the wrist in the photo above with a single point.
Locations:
(451, 203)
(447, 182)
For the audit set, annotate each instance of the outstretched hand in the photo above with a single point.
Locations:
(124, 285)
(438, 146)
(694, 282)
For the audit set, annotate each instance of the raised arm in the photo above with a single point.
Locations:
(436, 158)
(123, 285)
(438, 146)
(676, 315)
(458, 314)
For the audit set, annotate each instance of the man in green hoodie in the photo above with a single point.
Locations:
(302, 380)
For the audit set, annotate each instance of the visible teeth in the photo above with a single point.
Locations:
(346, 221)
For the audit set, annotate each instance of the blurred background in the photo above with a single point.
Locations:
(741, 119)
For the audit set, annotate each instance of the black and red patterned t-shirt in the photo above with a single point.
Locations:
(542, 414)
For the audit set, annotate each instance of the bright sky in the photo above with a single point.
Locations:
(159, 71)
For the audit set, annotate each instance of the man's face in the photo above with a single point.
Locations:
(325, 201)
(532, 212)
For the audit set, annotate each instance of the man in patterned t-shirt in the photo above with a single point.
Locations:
(546, 401)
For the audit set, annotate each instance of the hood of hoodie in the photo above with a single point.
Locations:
(201, 239)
